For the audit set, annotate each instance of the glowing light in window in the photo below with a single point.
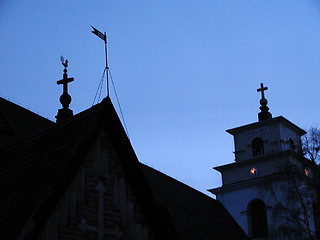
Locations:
(306, 172)
(253, 171)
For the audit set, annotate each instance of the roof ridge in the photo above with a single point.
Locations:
(24, 108)
(52, 128)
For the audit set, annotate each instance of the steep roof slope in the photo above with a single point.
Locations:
(195, 215)
(29, 170)
(35, 173)
(17, 123)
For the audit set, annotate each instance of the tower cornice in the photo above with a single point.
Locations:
(280, 119)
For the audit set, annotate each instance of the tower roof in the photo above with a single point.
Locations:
(279, 119)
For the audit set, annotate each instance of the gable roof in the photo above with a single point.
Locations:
(35, 173)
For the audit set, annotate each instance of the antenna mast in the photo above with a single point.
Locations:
(107, 68)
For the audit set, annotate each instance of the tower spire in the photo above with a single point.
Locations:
(65, 98)
(264, 114)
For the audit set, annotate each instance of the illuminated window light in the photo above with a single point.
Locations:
(306, 172)
(253, 171)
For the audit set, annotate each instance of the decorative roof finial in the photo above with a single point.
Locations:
(65, 98)
(264, 114)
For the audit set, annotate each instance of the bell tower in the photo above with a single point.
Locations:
(261, 150)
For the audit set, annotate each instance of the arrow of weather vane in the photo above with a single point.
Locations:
(104, 38)
(99, 34)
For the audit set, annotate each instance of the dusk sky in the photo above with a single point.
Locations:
(184, 71)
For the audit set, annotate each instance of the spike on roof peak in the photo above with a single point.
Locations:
(264, 114)
(65, 98)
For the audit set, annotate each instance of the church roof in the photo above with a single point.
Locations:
(195, 215)
(16, 123)
(31, 170)
(35, 173)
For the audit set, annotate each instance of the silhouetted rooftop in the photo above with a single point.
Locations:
(35, 173)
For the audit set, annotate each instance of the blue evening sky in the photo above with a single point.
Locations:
(185, 71)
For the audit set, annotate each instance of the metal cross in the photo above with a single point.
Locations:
(65, 82)
(262, 89)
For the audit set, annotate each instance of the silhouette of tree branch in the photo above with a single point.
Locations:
(296, 205)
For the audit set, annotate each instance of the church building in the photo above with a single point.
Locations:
(79, 178)
(256, 184)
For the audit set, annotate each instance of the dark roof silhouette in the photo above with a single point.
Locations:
(35, 173)
(195, 215)
(16, 123)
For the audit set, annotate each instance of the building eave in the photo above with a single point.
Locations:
(242, 184)
(301, 132)
(222, 168)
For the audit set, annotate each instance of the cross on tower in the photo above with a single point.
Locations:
(264, 114)
(262, 89)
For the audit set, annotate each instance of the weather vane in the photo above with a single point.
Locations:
(65, 98)
(103, 36)
(64, 62)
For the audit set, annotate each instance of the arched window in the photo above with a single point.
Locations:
(257, 147)
(257, 219)
(291, 143)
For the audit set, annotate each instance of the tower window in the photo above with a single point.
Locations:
(291, 143)
(257, 147)
(257, 219)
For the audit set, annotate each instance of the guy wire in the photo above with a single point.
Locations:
(99, 87)
(124, 122)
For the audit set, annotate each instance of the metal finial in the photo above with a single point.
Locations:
(64, 62)
(264, 114)
(65, 98)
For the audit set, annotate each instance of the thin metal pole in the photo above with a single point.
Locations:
(105, 47)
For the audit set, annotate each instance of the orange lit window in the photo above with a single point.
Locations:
(306, 172)
(253, 171)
